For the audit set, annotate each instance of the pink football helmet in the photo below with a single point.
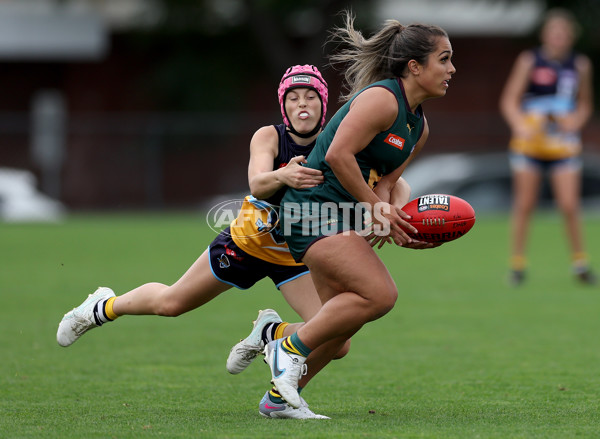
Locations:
(306, 76)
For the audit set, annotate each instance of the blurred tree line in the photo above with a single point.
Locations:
(206, 52)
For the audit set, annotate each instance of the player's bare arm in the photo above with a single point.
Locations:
(264, 181)
(510, 100)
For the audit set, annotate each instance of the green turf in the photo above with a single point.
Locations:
(462, 355)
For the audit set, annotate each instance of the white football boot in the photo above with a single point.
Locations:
(270, 409)
(81, 319)
(286, 371)
(243, 353)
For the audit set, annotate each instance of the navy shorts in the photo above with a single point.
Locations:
(521, 161)
(232, 265)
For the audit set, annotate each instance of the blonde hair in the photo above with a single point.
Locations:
(384, 55)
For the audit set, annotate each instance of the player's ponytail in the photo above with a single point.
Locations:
(384, 55)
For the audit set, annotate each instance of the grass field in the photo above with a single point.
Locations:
(462, 355)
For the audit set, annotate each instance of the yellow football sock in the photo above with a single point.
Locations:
(108, 309)
(580, 259)
(275, 397)
(279, 331)
(518, 262)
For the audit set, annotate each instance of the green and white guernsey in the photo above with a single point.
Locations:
(327, 209)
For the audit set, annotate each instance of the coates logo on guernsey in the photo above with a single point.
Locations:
(434, 202)
(395, 140)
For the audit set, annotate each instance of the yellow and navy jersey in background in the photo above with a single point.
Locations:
(550, 95)
(256, 229)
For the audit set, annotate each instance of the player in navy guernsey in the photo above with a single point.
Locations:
(270, 246)
(546, 101)
(363, 150)
(251, 249)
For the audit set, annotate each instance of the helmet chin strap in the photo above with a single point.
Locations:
(315, 130)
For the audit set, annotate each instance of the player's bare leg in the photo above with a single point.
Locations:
(526, 186)
(354, 292)
(566, 186)
(195, 288)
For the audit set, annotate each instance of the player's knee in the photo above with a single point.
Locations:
(569, 208)
(168, 306)
(386, 299)
(169, 310)
(343, 350)
(525, 209)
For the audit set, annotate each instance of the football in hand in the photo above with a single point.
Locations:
(439, 217)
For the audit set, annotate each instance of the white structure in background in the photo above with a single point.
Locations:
(21, 201)
(467, 17)
(56, 30)
(37, 31)
(68, 29)
(48, 134)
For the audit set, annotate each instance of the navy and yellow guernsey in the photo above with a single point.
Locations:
(387, 151)
(550, 95)
(256, 228)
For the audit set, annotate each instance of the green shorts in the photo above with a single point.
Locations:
(307, 215)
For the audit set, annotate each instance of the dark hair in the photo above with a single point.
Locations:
(385, 54)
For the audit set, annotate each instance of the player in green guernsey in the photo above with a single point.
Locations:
(369, 142)
(388, 150)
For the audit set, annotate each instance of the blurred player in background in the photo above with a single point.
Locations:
(251, 249)
(546, 101)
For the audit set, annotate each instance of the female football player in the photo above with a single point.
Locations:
(369, 141)
(251, 249)
(546, 101)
